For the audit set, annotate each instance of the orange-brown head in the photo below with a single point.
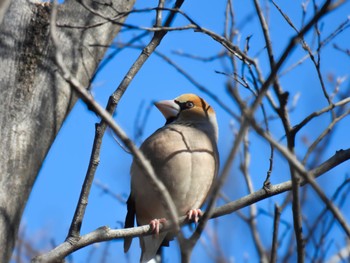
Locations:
(190, 109)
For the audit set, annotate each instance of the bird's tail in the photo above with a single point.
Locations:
(150, 245)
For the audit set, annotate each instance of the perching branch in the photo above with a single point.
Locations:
(105, 233)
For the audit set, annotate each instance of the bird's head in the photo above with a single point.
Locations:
(188, 109)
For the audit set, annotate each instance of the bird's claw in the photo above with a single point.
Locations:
(155, 224)
(194, 215)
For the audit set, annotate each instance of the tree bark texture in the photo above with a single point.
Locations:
(34, 99)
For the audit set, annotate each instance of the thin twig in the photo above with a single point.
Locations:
(344, 50)
(297, 127)
(105, 189)
(251, 220)
(323, 134)
(306, 47)
(275, 243)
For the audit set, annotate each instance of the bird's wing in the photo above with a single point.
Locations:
(129, 220)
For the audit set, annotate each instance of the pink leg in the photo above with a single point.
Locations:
(194, 215)
(155, 223)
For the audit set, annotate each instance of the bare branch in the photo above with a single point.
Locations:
(324, 133)
(105, 233)
(344, 50)
(105, 189)
(4, 4)
(252, 220)
(339, 157)
(297, 127)
(307, 176)
(274, 246)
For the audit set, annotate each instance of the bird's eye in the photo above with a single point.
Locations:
(189, 104)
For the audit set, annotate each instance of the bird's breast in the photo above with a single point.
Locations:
(185, 160)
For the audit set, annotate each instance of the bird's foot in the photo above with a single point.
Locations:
(194, 215)
(155, 224)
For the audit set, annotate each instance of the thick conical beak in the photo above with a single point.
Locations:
(168, 108)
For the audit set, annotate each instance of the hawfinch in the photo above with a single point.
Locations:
(185, 158)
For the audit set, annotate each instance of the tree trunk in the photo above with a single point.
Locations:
(34, 99)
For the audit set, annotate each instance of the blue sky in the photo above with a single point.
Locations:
(52, 203)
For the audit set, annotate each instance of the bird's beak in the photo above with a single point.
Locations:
(168, 108)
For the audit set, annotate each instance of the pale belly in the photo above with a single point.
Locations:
(187, 172)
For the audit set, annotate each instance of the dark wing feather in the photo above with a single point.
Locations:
(129, 221)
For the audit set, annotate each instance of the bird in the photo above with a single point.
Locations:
(185, 158)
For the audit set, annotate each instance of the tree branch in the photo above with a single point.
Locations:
(306, 175)
(105, 233)
(275, 242)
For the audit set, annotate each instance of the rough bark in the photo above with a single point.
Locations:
(34, 99)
